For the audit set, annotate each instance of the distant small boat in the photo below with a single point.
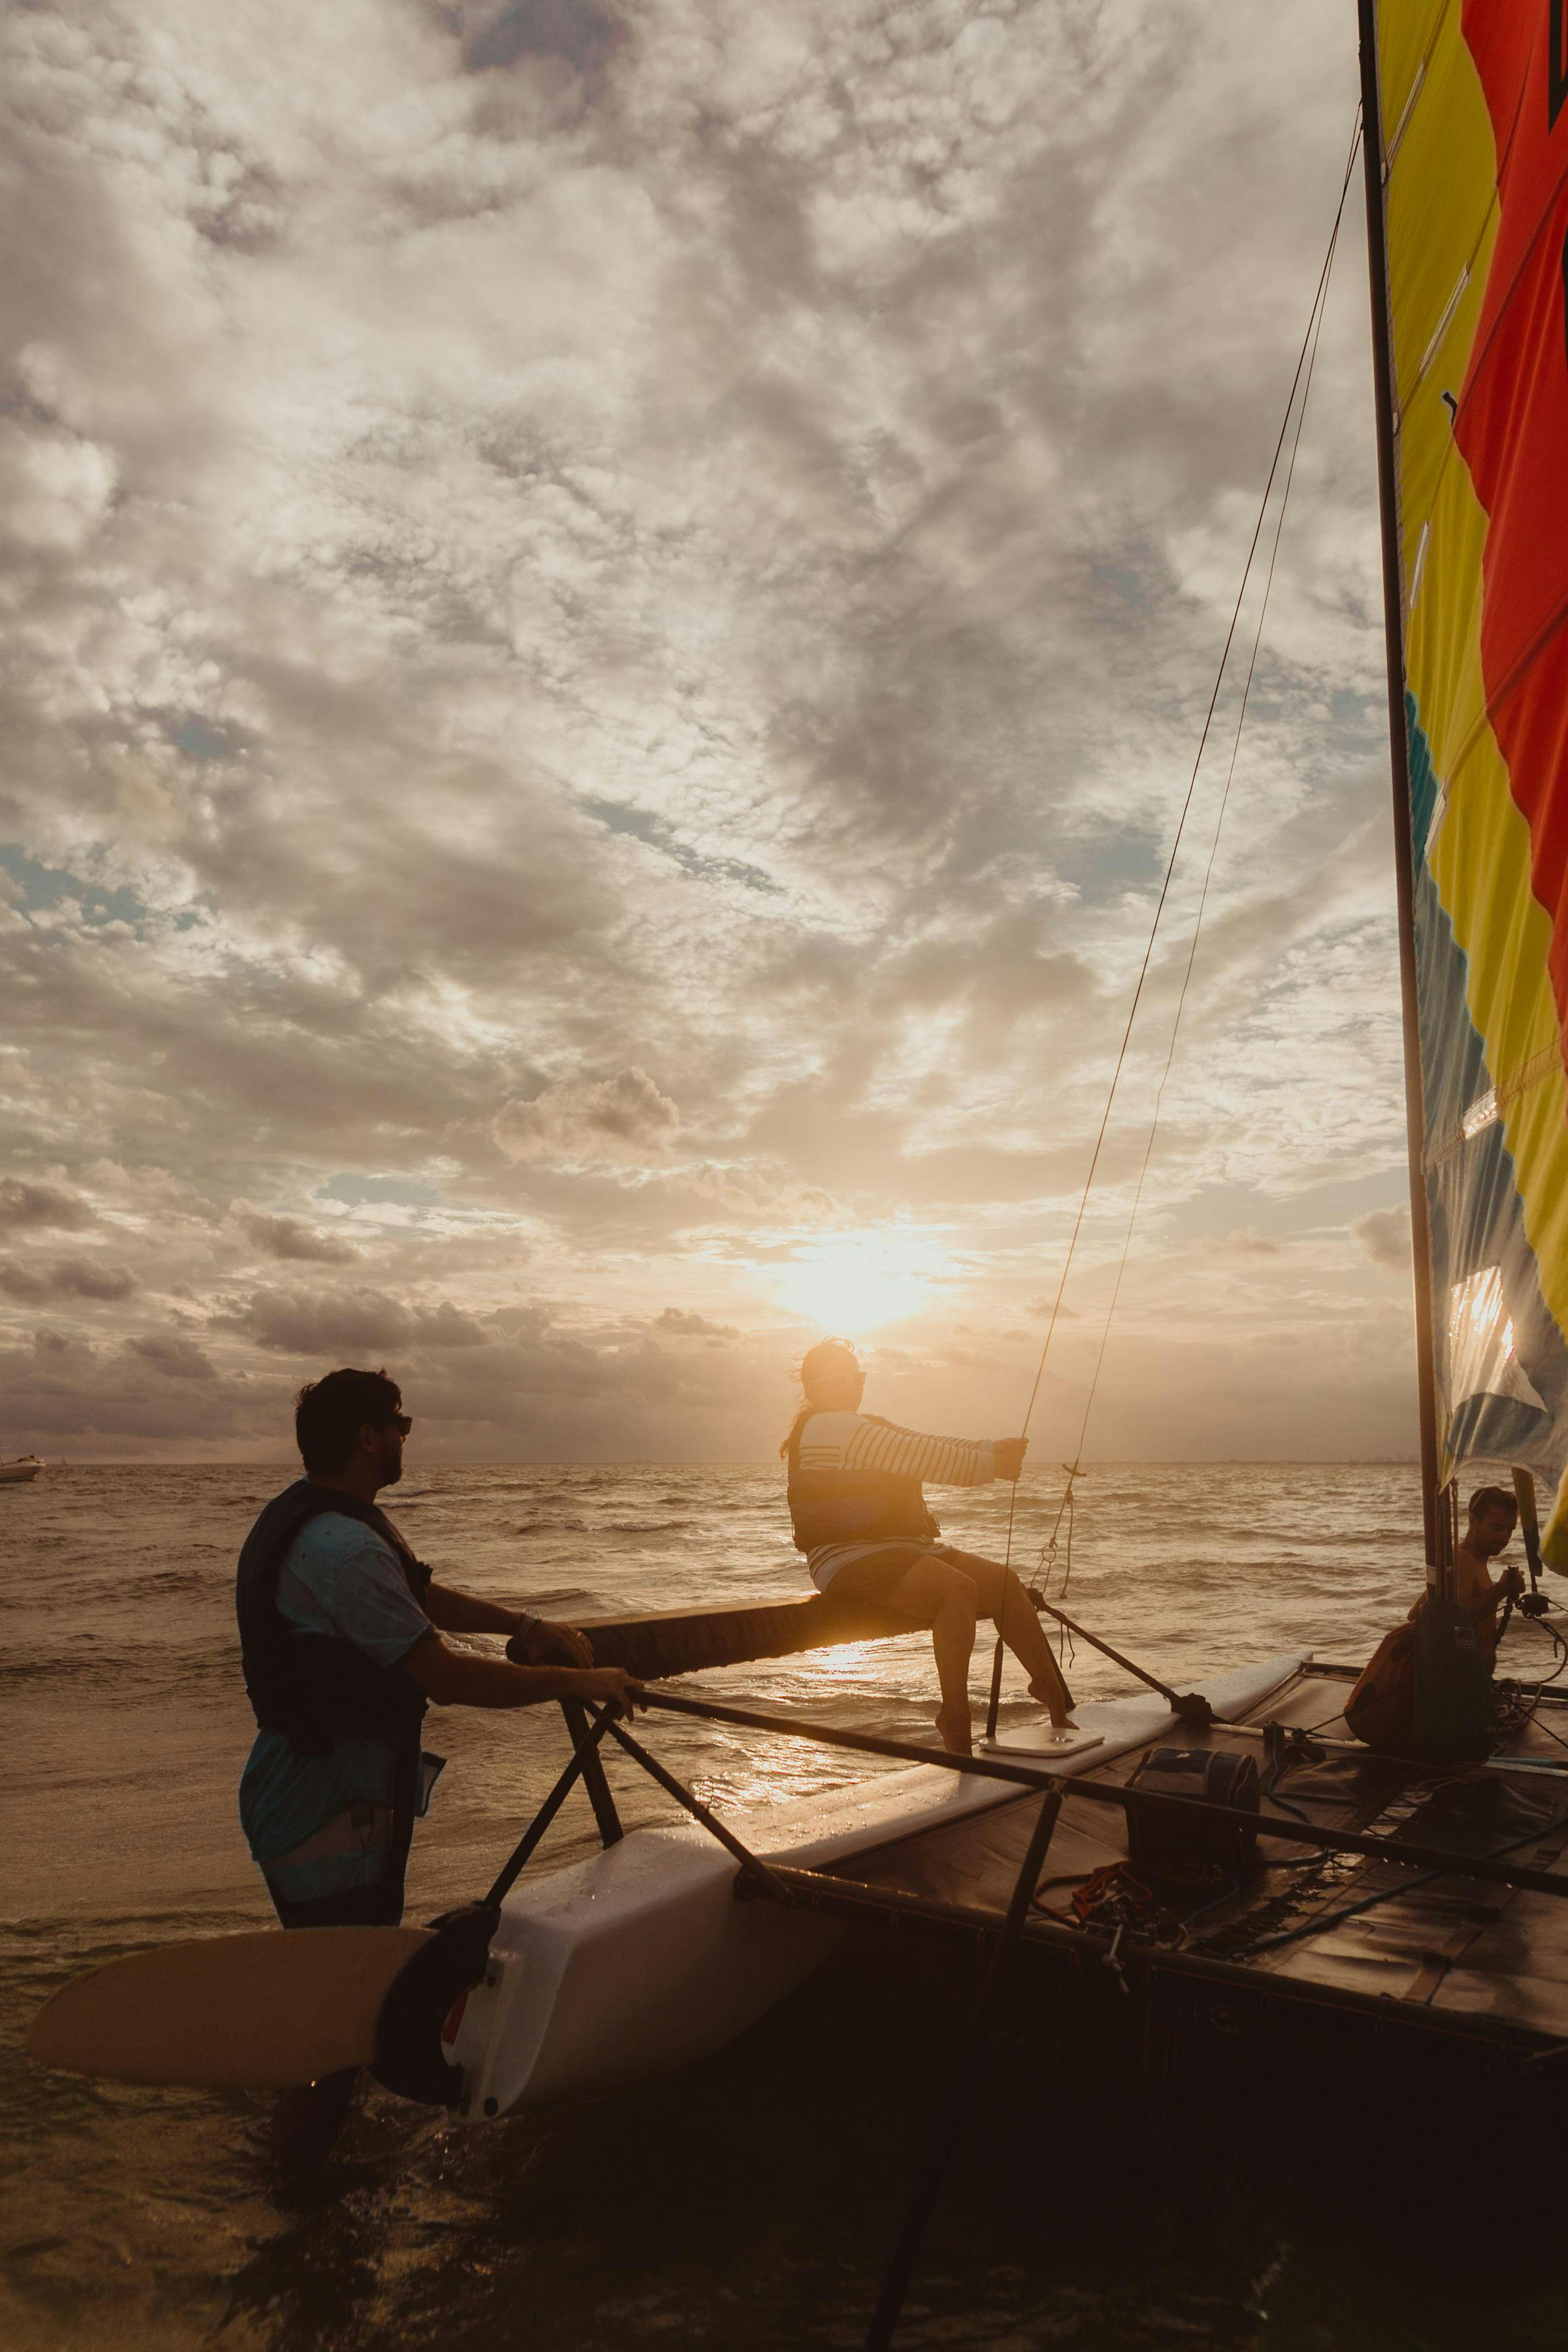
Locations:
(16, 1474)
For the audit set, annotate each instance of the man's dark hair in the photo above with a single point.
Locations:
(328, 1414)
(1485, 1497)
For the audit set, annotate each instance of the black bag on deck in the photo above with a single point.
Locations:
(1173, 1846)
(1455, 1719)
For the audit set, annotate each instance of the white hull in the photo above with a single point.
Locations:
(640, 1960)
(16, 1474)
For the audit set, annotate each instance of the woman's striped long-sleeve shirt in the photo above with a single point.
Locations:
(855, 1441)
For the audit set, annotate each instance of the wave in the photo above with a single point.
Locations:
(544, 1492)
(62, 1667)
(109, 1591)
(124, 1677)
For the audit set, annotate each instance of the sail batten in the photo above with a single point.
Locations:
(1473, 146)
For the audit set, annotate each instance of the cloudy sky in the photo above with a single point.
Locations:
(607, 606)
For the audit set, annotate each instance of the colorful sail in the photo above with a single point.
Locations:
(1473, 129)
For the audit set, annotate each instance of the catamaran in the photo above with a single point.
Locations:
(1229, 1846)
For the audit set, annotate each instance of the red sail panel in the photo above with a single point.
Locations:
(1513, 429)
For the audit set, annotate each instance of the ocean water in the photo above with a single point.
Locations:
(753, 2201)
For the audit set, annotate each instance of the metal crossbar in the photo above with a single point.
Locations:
(593, 1780)
(928, 2180)
(582, 1749)
(1405, 1852)
(695, 1806)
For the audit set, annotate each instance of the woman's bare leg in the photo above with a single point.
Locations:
(945, 1598)
(1003, 1600)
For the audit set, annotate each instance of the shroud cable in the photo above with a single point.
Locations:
(1307, 350)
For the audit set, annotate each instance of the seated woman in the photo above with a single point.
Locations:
(860, 1517)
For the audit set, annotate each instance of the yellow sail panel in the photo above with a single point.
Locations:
(1473, 135)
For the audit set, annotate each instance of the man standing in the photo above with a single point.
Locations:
(341, 1643)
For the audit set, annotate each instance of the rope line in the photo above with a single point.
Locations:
(1192, 783)
(1306, 352)
(1315, 330)
(1318, 1923)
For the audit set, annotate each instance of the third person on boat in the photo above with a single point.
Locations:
(1381, 1709)
(861, 1519)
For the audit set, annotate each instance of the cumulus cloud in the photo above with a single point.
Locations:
(58, 1393)
(622, 1121)
(54, 490)
(40, 1205)
(678, 1324)
(172, 1355)
(291, 1238)
(346, 1323)
(1384, 1235)
(764, 1191)
(1242, 1241)
(447, 1326)
(577, 31)
(71, 1277)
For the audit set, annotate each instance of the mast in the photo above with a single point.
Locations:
(1404, 847)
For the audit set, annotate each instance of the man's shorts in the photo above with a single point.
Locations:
(342, 1876)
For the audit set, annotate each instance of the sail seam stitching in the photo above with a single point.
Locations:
(1482, 724)
(1489, 1106)
(1481, 357)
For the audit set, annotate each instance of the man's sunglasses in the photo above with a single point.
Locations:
(402, 1422)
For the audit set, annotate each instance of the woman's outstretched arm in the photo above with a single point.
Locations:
(907, 1453)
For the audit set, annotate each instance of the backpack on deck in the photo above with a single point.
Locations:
(1455, 1719)
(1426, 1689)
(1381, 1710)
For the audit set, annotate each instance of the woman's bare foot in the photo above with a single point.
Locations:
(1061, 1717)
(956, 1730)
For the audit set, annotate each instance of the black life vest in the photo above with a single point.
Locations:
(315, 1688)
(833, 1505)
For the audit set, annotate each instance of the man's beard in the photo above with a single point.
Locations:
(392, 1467)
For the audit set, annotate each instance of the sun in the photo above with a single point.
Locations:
(853, 1282)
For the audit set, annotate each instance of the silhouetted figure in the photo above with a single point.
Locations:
(342, 1656)
(1381, 1710)
(859, 1514)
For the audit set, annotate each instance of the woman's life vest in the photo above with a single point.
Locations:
(829, 1506)
(316, 1689)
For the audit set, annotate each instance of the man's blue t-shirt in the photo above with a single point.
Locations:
(338, 1577)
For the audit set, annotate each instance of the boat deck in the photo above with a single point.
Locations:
(640, 1958)
(1456, 1948)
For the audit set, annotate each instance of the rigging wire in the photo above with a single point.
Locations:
(1301, 361)
(1315, 330)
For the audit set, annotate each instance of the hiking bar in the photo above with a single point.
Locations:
(1406, 1852)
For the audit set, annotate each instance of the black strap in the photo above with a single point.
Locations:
(409, 2056)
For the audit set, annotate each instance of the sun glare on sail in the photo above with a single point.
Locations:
(854, 1282)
